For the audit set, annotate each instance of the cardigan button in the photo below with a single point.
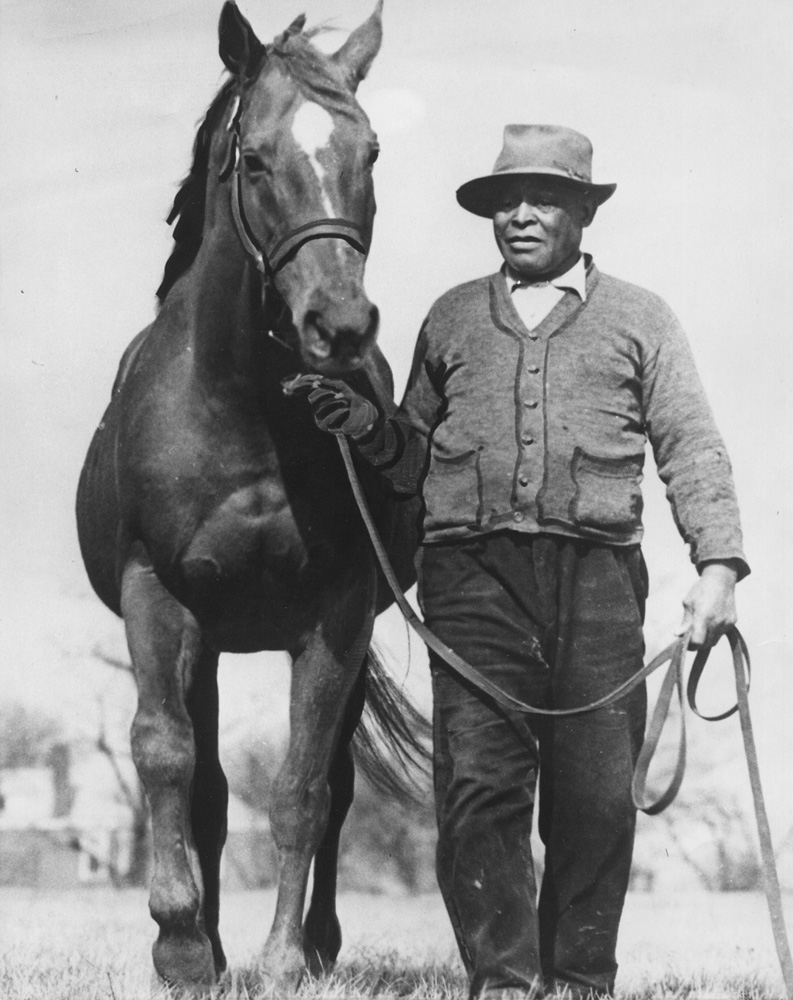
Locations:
(524, 481)
(527, 439)
(518, 515)
(532, 369)
(531, 404)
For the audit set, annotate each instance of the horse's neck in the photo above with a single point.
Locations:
(225, 304)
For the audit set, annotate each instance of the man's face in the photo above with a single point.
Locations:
(539, 224)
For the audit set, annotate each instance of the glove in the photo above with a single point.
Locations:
(336, 407)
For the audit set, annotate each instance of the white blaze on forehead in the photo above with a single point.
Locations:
(312, 128)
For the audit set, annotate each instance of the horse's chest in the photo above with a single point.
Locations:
(257, 535)
(246, 533)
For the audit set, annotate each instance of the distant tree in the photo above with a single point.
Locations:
(251, 769)
(734, 865)
(27, 736)
(131, 791)
(724, 857)
(385, 836)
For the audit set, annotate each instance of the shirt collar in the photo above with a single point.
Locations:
(573, 279)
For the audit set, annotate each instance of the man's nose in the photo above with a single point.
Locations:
(524, 214)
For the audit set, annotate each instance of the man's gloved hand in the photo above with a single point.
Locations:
(337, 408)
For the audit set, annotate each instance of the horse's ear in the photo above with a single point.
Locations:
(358, 52)
(240, 49)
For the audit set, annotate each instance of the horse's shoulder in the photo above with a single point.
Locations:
(129, 357)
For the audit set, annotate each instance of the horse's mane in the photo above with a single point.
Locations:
(309, 69)
(188, 205)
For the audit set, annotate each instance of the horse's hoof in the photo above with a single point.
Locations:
(317, 963)
(185, 967)
(281, 972)
(321, 945)
(161, 989)
(278, 989)
(320, 959)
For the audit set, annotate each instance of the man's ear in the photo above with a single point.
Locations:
(588, 209)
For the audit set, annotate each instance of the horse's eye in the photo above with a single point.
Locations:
(373, 156)
(254, 164)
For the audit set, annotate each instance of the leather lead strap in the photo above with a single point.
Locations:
(740, 659)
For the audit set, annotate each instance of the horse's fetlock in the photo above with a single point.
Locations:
(174, 905)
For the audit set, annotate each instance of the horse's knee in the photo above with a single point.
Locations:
(163, 750)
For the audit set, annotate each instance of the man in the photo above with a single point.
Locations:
(531, 397)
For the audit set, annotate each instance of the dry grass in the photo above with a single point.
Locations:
(94, 945)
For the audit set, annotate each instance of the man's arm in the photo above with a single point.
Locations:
(693, 463)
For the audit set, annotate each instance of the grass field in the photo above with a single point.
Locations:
(94, 945)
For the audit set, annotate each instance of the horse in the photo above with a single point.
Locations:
(213, 516)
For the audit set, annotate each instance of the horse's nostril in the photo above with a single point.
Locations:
(341, 336)
(318, 340)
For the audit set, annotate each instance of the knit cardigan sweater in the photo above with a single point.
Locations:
(545, 430)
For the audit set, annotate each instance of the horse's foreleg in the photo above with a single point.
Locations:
(321, 931)
(209, 803)
(323, 675)
(166, 648)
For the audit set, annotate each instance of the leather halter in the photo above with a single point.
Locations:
(270, 258)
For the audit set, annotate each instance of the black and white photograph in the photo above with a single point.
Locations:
(397, 499)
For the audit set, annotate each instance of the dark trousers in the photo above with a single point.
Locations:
(557, 623)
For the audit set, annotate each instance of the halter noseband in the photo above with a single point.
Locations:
(271, 257)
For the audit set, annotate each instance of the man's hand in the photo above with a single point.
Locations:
(336, 407)
(709, 607)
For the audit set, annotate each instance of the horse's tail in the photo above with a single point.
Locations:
(391, 743)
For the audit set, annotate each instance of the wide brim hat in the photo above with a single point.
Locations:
(551, 151)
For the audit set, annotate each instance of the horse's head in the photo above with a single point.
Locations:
(298, 155)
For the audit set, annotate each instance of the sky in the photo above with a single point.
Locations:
(687, 103)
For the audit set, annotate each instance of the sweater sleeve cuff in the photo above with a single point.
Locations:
(381, 446)
(737, 562)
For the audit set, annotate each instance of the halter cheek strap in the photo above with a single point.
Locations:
(271, 257)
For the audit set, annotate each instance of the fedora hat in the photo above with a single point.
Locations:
(535, 150)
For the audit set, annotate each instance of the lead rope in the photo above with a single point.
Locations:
(770, 877)
(674, 654)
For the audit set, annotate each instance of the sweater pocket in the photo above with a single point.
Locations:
(607, 492)
(453, 491)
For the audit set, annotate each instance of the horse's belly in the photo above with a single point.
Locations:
(100, 527)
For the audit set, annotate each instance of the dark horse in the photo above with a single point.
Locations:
(213, 515)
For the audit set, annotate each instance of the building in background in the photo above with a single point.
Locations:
(69, 824)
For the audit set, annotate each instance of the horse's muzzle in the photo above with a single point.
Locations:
(337, 332)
